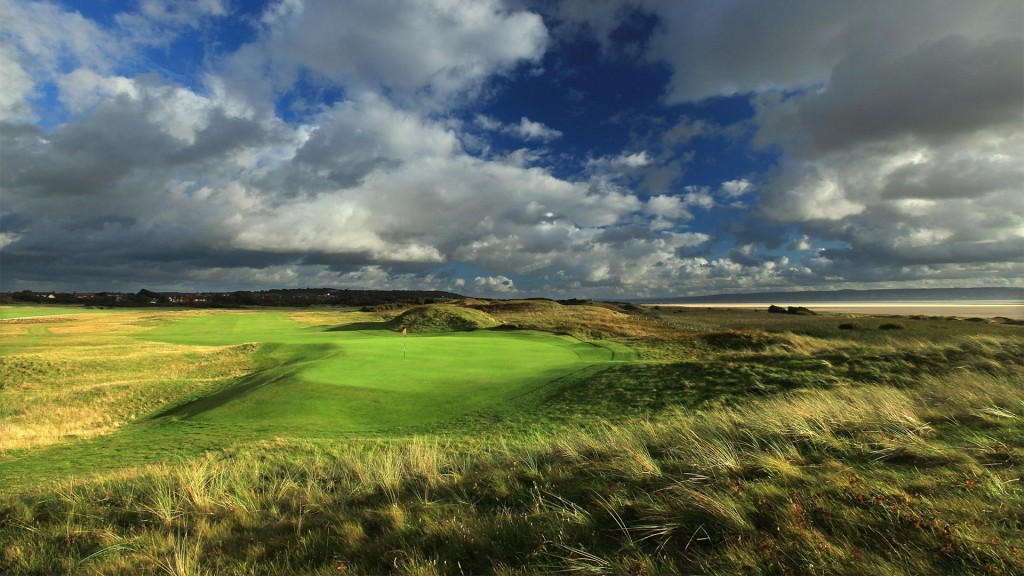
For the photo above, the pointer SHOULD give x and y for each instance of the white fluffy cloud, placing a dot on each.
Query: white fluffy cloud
(736, 188)
(38, 41)
(494, 284)
(898, 123)
(176, 180)
(531, 130)
(896, 128)
(526, 129)
(432, 50)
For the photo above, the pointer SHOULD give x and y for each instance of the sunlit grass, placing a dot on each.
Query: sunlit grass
(843, 481)
(761, 446)
(82, 376)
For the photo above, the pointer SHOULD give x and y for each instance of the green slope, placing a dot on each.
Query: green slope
(326, 382)
(318, 380)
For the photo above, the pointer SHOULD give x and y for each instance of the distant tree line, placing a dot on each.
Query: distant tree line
(285, 297)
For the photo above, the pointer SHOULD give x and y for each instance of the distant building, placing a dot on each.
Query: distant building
(47, 295)
(182, 298)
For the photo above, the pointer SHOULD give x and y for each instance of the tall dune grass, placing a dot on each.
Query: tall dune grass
(850, 480)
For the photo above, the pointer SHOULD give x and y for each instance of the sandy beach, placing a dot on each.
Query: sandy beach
(1013, 310)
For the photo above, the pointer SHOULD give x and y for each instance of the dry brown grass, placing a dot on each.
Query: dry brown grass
(333, 317)
(99, 377)
(587, 322)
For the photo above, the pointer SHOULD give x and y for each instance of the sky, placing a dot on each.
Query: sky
(511, 148)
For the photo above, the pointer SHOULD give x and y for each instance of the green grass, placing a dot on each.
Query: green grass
(9, 312)
(26, 311)
(328, 380)
(728, 443)
(443, 318)
(304, 381)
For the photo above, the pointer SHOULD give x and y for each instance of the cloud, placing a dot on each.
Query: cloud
(801, 244)
(48, 39)
(687, 129)
(427, 51)
(170, 179)
(536, 131)
(181, 12)
(736, 188)
(667, 207)
(526, 129)
(892, 131)
(494, 284)
(896, 124)
(38, 41)
(802, 49)
(942, 90)
(618, 165)
(923, 169)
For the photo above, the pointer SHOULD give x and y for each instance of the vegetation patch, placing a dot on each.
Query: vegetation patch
(442, 318)
(727, 442)
(738, 340)
(797, 310)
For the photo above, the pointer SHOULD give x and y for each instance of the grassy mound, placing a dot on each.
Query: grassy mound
(443, 318)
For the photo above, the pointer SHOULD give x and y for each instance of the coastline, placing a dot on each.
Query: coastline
(1014, 310)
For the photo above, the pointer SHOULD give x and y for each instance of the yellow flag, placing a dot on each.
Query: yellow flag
(403, 331)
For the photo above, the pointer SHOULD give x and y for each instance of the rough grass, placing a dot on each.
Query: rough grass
(82, 376)
(189, 382)
(741, 444)
(862, 480)
(586, 322)
(442, 318)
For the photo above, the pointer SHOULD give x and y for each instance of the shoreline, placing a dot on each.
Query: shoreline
(1014, 310)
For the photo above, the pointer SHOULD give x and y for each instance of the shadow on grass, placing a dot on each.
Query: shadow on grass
(243, 386)
(279, 363)
(361, 327)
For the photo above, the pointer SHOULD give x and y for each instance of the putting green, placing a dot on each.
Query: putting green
(356, 377)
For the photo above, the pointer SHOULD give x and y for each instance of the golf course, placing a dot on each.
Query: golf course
(508, 437)
(367, 377)
(320, 380)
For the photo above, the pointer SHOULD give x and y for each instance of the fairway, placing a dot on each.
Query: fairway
(319, 380)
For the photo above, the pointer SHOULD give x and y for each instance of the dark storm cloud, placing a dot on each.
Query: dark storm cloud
(221, 136)
(1008, 251)
(941, 90)
(619, 235)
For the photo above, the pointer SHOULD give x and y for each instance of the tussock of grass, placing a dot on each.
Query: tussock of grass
(809, 481)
